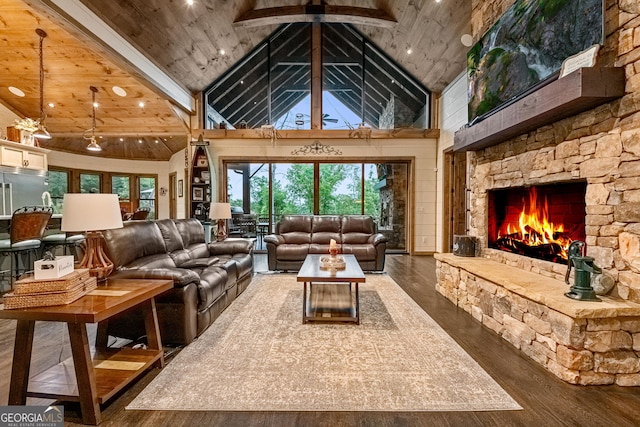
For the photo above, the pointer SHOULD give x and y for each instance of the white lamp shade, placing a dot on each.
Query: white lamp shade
(220, 211)
(90, 212)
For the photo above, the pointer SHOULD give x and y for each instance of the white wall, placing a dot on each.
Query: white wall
(422, 150)
(76, 161)
(453, 115)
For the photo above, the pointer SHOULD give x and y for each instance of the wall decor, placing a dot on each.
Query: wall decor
(316, 148)
(198, 194)
(180, 188)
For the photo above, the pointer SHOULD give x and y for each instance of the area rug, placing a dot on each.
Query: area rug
(258, 356)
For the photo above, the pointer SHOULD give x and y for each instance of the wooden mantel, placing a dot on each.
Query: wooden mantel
(577, 92)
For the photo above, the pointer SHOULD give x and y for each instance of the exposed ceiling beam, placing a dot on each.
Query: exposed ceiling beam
(315, 13)
(83, 19)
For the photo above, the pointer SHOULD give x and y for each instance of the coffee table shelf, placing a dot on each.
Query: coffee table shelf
(330, 295)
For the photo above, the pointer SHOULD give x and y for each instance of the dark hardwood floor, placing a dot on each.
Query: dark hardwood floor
(546, 400)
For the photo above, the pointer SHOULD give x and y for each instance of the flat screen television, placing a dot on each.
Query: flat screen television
(525, 49)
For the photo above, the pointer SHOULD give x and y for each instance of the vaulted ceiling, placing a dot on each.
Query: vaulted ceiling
(162, 52)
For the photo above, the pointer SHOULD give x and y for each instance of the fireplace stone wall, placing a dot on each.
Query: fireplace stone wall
(600, 146)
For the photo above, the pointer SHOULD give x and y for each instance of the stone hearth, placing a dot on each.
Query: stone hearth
(580, 342)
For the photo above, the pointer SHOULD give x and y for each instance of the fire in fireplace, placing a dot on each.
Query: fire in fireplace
(539, 221)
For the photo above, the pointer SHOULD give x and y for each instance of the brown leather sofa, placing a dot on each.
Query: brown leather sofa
(298, 235)
(207, 276)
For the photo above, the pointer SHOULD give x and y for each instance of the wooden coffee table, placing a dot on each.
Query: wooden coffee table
(330, 295)
(96, 378)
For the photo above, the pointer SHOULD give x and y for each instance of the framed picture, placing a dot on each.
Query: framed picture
(180, 188)
(202, 162)
(205, 175)
(198, 194)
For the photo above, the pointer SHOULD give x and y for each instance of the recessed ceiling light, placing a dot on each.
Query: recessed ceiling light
(409, 51)
(139, 141)
(121, 139)
(190, 2)
(119, 91)
(51, 105)
(438, 1)
(16, 91)
(141, 104)
(466, 40)
(157, 141)
(222, 52)
(96, 105)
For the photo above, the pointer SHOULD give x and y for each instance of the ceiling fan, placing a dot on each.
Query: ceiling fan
(301, 119)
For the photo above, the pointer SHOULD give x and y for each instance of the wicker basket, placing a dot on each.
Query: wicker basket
(44, 299)
(30, 285)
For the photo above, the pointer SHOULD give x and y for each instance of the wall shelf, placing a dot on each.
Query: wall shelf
(577, 92)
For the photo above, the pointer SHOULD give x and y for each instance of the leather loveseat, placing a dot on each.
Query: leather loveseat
(207, 276)
(298, 235)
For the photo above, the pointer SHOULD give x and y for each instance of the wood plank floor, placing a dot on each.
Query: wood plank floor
(546, 400)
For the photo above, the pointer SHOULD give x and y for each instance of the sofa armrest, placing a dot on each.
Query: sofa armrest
(276, 239)
(378, 238)
(230, 247)
(180, 276)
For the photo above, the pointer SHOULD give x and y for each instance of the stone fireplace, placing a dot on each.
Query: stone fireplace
(596, 155)
(537, 221)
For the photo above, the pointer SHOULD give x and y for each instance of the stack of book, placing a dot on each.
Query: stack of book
(29, 292)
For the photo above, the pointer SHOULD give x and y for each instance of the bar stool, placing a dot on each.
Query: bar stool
(70, 244)
(25, 233)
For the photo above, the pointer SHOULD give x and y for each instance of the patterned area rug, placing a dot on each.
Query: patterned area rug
(258, 356)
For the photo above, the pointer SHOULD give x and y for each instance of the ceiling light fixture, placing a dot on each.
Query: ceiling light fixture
(141, 104)
(466, 40)
(51, 105)
(41, 133)
(190, 2)
(17, 92)
(222, 52)
(119, 91)
(93, 144)
(409, 51)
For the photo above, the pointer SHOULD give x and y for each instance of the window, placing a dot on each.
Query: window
(270, 190)
(147, 191)
(58, 186)
(360, 84)
(131, 196)
(90, 183)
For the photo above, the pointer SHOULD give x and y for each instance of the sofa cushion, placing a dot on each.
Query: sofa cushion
(136, 239)
(170, 234)
(325, 228)
(191, 230)
(213, 281)
(151, 261)
(366, 252)
(356, 229)
(288, 252)
(243, 262)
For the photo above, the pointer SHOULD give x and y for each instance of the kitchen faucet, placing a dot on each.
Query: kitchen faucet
(46, 195)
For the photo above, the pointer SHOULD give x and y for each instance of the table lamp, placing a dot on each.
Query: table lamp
(91, 213)
(221, 212)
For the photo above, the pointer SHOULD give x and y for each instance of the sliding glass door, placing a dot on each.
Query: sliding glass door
(266, 191)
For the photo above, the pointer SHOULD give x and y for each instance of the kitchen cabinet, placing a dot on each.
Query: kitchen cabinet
(18, 155)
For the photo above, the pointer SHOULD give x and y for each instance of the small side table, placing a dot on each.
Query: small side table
(97, 378)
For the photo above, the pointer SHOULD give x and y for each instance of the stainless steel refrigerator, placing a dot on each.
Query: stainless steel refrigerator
(20, 187)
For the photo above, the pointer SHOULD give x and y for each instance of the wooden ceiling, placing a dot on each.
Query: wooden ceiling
(184, 42)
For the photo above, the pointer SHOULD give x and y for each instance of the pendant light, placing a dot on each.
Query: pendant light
(93, 144)
(41, 133)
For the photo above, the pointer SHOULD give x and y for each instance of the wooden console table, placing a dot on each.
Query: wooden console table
(99, 377)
